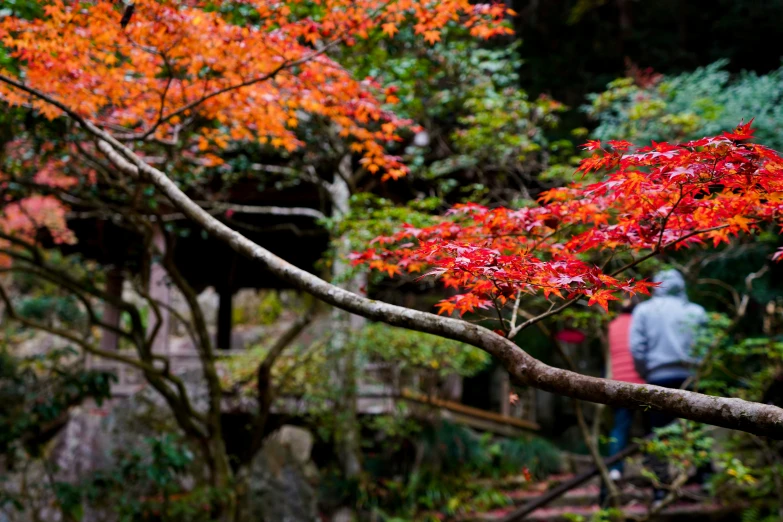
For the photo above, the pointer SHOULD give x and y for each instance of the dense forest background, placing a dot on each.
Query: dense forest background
(572, 48)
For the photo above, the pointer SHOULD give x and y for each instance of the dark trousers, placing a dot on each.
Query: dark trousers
(657, 419)
(621, 432)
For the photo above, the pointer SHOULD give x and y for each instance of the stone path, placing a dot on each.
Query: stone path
(584, 501)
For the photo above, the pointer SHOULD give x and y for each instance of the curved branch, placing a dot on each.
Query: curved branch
(268, 210)
(59, 277)
(751, 417)
(730, 413)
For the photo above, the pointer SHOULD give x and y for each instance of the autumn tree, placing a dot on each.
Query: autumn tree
(184, 83)
(180, 81)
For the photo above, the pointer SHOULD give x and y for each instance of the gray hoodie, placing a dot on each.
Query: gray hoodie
(663, 330)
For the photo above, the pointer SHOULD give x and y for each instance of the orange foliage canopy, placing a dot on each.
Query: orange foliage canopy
(178, 65)
(179, 72)
(654, 198)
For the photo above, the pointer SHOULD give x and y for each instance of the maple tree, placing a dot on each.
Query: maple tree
(182, 74)
(183, 79)
(182, 82)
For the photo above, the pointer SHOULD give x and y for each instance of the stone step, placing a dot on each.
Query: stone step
(514, 482)
(583, 500)
(589, 495)
(678, 512)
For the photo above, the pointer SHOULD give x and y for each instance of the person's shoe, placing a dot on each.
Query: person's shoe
(615, 475)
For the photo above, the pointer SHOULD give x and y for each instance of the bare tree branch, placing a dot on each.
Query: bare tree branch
(268, 210)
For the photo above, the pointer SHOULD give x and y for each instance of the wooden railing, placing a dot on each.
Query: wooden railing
(383, 384)
(380, 389)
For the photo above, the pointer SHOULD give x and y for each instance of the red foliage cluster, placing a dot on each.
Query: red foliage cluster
(652, 198)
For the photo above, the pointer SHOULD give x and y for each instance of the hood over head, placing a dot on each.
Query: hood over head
(671, 283)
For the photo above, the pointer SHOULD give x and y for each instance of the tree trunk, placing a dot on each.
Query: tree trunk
(160, 291)
(164, 274)
(344, 358)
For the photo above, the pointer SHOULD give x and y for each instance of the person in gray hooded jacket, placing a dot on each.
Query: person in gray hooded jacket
(663, 331)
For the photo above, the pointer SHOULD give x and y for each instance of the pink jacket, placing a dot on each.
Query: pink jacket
(620, 352)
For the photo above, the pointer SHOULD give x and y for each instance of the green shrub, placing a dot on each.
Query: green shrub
(704, 102)
(411, 349)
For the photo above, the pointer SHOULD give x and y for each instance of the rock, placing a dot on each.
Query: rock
(40, 343)
(282, 487)
(298, 440)
(82, 447)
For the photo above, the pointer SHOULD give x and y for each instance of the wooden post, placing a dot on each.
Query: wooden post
(505, 393)
(225, 314)
(224, 318)
(160, 291)
(451, 389)
(111, 315)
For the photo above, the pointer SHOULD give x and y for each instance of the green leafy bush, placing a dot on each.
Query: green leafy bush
(45, 307)
(36, 392)
(454, 474)
(704, 102)
(409, 349)
(147, 483)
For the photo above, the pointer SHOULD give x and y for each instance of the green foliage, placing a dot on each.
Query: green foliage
(415, 350)
(36, 392)
(371, 216)
(44, 301)
(759, 514)
(480, 123)
(456, 448)
(748, 468)
(270, 308)
(502, 127)
(452, 476)
(45, 307)
(704, 102)
(429, 498)
(27, 9)
(432, 80)
(145, 484)
(743, 368)
(268, 311)
(602, 515)
(685, 444)
(301, 371)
